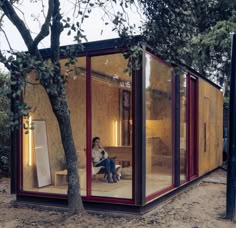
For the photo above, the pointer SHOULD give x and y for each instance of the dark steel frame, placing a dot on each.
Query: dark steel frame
(186, 129)
(189, 124)
(139, 199)
(231, 177)
(176, 129)
(13, 158)
(139, 159)
(88, 196)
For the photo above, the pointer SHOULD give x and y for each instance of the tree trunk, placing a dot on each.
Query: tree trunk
(54, 87)
(61, 111)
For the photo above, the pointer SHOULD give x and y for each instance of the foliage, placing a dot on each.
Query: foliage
(48, 71)
(196, 32)
(4, 160)
(4, 129)
(48, 74)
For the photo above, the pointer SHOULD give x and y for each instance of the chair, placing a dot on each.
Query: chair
(101, 170)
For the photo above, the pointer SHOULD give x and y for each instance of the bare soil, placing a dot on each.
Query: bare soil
(200, 206)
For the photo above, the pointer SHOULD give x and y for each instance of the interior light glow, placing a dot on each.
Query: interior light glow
(120, 133)
(30, 142)
(116, 133)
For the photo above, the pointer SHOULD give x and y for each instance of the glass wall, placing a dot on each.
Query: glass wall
(183, 127)
(111, 111)
(44, 167)
(159, 164)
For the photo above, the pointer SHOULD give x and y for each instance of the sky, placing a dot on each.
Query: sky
(32, 14)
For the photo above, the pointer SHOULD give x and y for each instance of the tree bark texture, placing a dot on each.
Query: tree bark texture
(54, 85)
(61, 111)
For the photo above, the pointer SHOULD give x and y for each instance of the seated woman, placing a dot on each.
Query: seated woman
(100, 158)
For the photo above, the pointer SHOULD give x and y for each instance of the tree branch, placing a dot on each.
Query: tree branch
(45, 27)
(55, 33)
(76, 5)
(14, 18)
(23, 15)
(43, 8)
(1, 18)
(8, 42)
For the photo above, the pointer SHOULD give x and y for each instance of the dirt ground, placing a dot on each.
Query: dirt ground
(200, 206)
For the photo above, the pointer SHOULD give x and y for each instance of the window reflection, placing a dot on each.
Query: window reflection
(112, 122)
(45, 138)
(158, 125)
(183, 129)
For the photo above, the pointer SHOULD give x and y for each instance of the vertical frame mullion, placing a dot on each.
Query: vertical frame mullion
(195, 154)
(139, 138)
(196, 129)
(15, 150)
(176, 128)
(188, 126)
(88, 125)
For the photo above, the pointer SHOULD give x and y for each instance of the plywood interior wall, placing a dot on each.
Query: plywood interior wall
(158, 85)
(36, 97)
(105, 111)
(210, 103)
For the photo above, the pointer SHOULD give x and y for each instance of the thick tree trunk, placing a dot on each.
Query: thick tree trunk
(54, 87)
(61, 111)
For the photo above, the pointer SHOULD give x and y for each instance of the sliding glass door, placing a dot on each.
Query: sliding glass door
(159, 155)
(111, 127)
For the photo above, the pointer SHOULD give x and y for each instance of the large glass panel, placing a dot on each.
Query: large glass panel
(112, 123)
(158, 125)
(183, 128)
(44, 167)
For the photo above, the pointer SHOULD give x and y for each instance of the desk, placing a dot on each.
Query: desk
(123, 154)
(61, 177)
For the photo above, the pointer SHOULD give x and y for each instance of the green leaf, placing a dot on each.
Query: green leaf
(126, 70)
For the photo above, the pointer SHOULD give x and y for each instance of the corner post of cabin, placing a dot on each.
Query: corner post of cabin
(176, 126)
(16, 142)
(14, 155)
(139, 129)
(231, 178)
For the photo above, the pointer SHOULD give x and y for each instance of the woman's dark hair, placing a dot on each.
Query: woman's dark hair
(94, 140)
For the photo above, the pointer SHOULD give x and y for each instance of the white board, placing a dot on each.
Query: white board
(41, 154)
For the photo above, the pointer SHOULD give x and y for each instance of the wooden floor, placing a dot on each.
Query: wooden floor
(122, 189)
(99, 187)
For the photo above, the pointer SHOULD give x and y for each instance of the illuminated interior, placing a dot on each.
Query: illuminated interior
(111, 104)
(183, 127)
(44, 168)
(145, 139)
(159, 164)
(30, 142)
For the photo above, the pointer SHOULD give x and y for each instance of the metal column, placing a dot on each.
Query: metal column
(231, 175)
